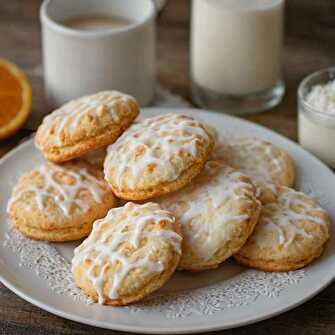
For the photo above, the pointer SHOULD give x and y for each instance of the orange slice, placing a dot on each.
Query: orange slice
(15, 98)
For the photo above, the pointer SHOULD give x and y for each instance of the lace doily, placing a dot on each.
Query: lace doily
(46, 262)
(49, 265)
(243, 289)
(238, 291)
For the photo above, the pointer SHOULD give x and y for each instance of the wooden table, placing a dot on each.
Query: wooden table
(309, 45)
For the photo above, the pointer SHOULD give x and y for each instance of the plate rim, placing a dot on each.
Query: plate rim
(180, 329)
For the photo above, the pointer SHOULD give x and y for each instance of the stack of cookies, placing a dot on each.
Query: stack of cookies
(190, 199)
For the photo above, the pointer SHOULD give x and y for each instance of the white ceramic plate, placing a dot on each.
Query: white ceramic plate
(227, 297)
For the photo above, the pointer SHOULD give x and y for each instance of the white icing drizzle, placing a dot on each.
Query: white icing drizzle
(281, 218)
(71, 114)
(64, 194)
(104, 248)
(203, 221)
(156, 142)
(252, 156)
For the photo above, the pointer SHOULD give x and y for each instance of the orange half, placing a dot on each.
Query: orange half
(15, 98)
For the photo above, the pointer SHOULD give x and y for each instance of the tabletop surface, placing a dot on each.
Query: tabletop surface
(310, 33)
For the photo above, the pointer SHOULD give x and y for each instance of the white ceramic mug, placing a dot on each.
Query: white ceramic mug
(78, 62)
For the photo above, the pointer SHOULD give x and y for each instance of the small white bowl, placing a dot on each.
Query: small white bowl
(316, 128)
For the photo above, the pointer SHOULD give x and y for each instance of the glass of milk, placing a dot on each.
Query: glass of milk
(236, 54)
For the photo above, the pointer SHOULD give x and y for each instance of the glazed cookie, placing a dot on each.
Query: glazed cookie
(217, 212)
(130, 253)
(291, 233)
(267, 165)
(85, 124)
(156, 156)
(60, 203)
